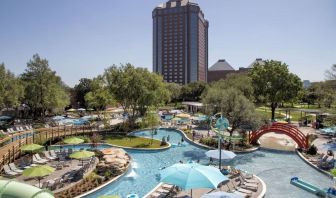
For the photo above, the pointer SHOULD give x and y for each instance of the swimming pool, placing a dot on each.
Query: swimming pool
(275, 168)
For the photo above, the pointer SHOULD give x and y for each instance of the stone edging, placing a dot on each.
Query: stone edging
(264, 188)
(107, 183)
(312, 165)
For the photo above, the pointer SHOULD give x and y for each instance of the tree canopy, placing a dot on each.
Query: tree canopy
(80, 90)
(135, 89)
(43, 89)
(10, 88)
(232, 104)
(99, 96)
(273, 83)
(331, 74)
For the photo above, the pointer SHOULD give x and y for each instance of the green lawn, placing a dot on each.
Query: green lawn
(132, 141)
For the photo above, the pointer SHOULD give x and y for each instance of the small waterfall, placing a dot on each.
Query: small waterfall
(135, 165)
(132, 174)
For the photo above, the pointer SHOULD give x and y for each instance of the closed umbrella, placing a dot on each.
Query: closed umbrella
(38, 172)
(82, 155)
(192, 175)
(221, 194)
(224, 154)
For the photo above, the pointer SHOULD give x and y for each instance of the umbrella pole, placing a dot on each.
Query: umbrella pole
(220, 151)
(191, 193)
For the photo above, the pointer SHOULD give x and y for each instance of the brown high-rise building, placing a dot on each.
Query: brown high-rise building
(180, 42)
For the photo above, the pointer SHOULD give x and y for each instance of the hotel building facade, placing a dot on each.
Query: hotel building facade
(180, 42)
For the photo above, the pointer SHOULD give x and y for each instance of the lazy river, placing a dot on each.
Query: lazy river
(274, 168)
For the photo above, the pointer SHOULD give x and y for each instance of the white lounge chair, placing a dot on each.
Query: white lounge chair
(47, 155)
(13, 167)
(9, 172)
(40, 158)
(37, 161)
(52, 153)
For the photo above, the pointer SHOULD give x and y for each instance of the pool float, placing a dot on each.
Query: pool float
(132, 196)
(308, 187)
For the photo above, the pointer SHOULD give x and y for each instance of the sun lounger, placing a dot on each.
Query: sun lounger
(47, 155)
(38, 157)
(45, 185)
(53, 154)
(158, 195)
(55, 183)
(13, 168)
(232, 186)
(9, 172)
(37, 161)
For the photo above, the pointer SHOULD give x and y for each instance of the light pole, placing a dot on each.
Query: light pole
(221, 125)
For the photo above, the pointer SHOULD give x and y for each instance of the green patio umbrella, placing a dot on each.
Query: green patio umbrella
(38, 172)
(31, 147)
(73, 140)
(82, 155)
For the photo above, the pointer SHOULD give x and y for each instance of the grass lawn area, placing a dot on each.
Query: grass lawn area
(132, 141)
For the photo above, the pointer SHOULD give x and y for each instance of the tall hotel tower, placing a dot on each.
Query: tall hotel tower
(180, 42)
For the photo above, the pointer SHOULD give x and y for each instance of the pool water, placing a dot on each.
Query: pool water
(275, 168)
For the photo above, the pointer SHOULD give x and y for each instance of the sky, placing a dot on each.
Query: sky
(81, 38)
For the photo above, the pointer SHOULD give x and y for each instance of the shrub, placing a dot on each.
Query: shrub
(209, 142)
(312, 150)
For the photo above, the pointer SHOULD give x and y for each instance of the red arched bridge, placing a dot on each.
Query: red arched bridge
(287, 129)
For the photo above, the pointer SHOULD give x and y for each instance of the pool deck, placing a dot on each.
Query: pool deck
(259, 193)
(71, 165)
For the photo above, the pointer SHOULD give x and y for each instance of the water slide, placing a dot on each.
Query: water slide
(13, 189)
(308, 187)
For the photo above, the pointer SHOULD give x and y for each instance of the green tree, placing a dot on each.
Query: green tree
(99, 96)
(135, 88)
(331, 74)
(174, 92)
(151, 120)
(274, 84)
(232, 104)
(240, 82)
(193, 91)
(81, 89)
(11, 88)
(44, 90)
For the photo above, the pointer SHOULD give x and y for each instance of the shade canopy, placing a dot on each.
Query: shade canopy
(73, 140)
(221, 194)
(38, 171)
(192, 175)
(71, 110)
(224, 154)
(31, 147)
(82, 154)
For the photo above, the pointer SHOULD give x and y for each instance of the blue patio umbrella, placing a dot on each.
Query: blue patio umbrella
(5, 117)
(224, 154)
(58, 118)
(221, 194)
(192, 175)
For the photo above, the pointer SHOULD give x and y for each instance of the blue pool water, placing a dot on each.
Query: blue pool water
(275, 168)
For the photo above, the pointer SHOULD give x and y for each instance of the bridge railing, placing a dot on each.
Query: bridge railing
(288, 129)
(11, 151)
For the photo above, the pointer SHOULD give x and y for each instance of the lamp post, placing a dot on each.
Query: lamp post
(221, 125)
